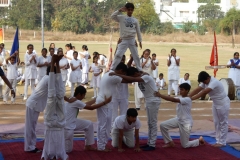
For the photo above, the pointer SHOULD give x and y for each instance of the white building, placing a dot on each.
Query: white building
(178, 13)
(5, 3)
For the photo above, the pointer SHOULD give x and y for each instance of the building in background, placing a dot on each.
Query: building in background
(181, 12)
(5, 3)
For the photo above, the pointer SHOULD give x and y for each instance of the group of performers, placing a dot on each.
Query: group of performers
(111, 91)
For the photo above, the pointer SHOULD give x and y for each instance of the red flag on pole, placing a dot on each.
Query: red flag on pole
(214, 55)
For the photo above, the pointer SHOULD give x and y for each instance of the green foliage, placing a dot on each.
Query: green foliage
(232, 17)
(188, 26)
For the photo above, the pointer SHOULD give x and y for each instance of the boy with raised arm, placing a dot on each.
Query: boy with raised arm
(123, 130)
(220, 106)
(148, 87)
(129, 27)
(54, 115)
(183, 121)
(75, 124)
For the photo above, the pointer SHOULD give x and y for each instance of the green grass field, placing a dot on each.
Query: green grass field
(194, 57)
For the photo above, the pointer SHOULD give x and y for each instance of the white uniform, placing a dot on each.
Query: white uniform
(75, 124)
(173, 75)
(85, 66)
(104, 114)
(64, 72)
(42, 70)
(155, 72)
(120, 100)
(220, 109)
(128, 131)
(183, 121)
(160, 83)
(30, 73)
(69, 54)
(182, 80)
(104, 59)
(234, 73)
(96, 79)
(148, 87)
(35, 104)
(54, 119)
(12, 78)
(137, 92)
(129, 27)
(76, 75)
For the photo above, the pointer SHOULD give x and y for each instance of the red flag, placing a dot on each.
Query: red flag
(214, 55)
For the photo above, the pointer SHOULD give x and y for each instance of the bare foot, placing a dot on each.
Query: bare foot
(201, 140)
(89, 148)
(169, 144)
(218, 145)
(105, 150)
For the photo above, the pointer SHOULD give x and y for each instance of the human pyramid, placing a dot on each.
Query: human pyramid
(61, 120)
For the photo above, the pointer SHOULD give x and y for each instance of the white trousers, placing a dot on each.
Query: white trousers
(152, 119)
(96, 91)
(138, 96)
(104, 117)
(84, 78)
(81, 125)
(30, 127)
(54, 144)
(173, 85)
(68, 76)
(220, 118)
(27, 83)
(121, 105)
(184, 130)
(73, 87)
(13, 82)
(128, 138)
(122, 48)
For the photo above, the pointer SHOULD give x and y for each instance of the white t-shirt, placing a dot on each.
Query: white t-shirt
(63, 62)
(76, 63)
(148, 87)
(71, 114)
(108, 84)
(95, 69)
(122, 123)
(160, 82)
(70, 55)
(101, 58)
(218, 95)
(42, 70)
(182, 80)
(121, 91)
(12, 72)
(184, 111)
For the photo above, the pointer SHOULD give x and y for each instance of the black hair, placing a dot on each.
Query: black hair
(187, 73)
(124, 56)
(69, 45)
(202, 76)
(2, 44)
(80, 90)
(94, 58)
(95, 53)
(75, 52)
(50, 49)
(51, 44)
(49, 68)
(132, 112)
(85, 47)
(60, 49)
(185, 86)
(121, 66)
(44, 49)
(129, 5)
(161, 74)
(146, 50)
(154, 54)
(173, 49)
(235, 53)
(30, 45)
(131, 71)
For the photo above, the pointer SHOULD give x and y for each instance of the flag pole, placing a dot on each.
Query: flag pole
(42, 23)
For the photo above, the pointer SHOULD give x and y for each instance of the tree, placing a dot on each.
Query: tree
(207, 1)
(210, 15)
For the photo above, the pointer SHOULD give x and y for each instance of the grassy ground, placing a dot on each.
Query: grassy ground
(194, 57)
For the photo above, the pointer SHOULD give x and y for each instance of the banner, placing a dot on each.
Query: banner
(15, 45)
(214, 55)
(1, 35)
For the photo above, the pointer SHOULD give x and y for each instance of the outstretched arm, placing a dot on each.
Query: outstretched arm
(195, 91)
(95, 106)
(168, 98)
(127, 79)
(202, 93)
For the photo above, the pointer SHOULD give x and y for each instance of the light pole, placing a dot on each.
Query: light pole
(42, 23)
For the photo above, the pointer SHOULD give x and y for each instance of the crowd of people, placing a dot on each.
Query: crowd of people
(48, 76)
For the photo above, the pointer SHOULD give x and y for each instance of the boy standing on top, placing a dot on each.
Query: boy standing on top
(129, 26)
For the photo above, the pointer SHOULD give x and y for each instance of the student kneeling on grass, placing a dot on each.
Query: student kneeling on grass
(123, 128)
(183, 121)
